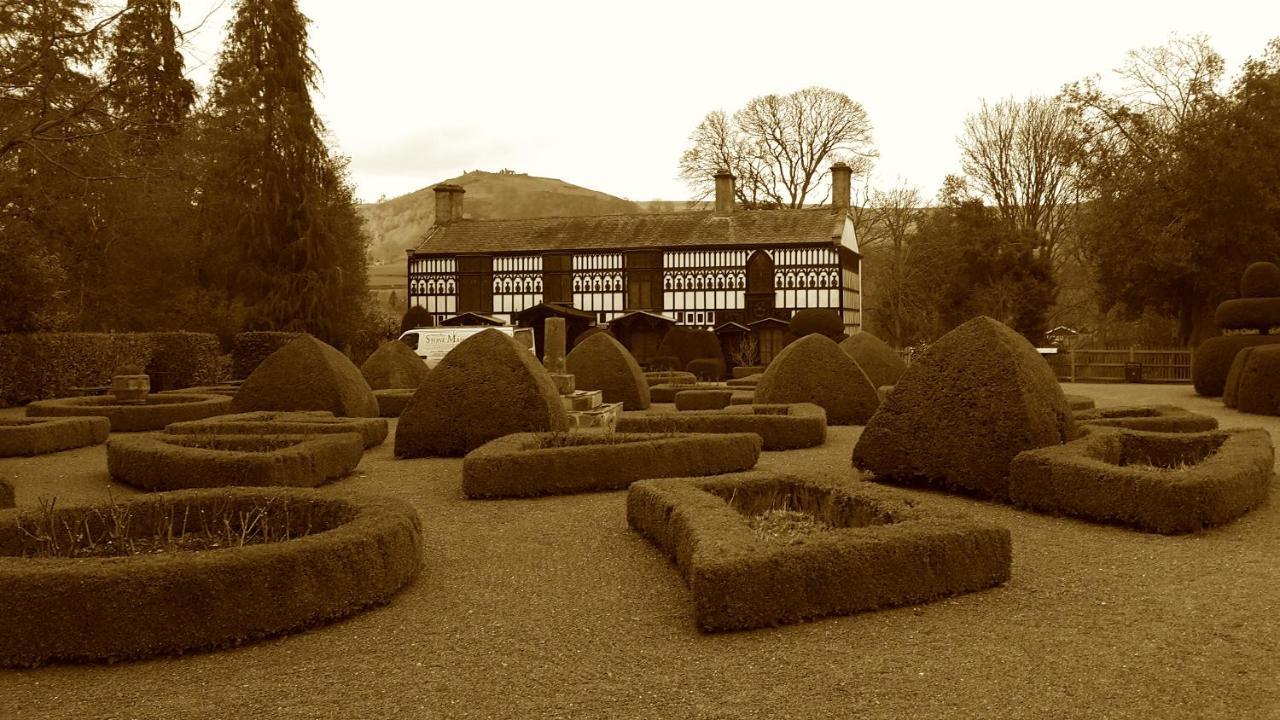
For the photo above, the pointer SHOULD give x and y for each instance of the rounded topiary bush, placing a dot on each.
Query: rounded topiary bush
(486, 387)
(1260, 280)
(1230, 392)
(307, 374)
(975, 399)
(1258, 385)
(591, 332)
(689, 344)
(602, 363)
(392, 366)
(817, 320)
(1212, 360)
(815, 370)
(416, 317)
(879, 361)
(709, 369)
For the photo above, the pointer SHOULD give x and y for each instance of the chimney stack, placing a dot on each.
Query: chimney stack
(724, 192)
(448, 203)
(841, 178)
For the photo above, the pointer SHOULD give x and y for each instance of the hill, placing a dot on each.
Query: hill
(401, 222)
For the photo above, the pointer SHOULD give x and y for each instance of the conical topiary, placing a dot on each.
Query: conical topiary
(602, 363)
(879, 361)
(815, 370)
(307, 374)
(393, 366)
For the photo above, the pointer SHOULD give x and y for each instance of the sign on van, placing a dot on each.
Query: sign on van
(434, 343)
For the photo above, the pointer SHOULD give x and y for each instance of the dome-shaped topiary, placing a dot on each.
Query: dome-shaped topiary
(817, 320)
(602, 363)
(689, 344)
(1260, 280)
(307, 374)
(416, 317)
(815, 370)
(879, 361)
(392, 366)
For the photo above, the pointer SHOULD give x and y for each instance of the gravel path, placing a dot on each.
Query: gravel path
(554, 608)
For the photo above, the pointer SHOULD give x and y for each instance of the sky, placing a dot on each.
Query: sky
(605, 94)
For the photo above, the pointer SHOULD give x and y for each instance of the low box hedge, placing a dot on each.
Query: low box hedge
(160, 410)
(393, 402)
(345, 553)
(874, 550)
(1153, 418)
(742, 372)
(667, 393)
(176, 462)
(1079, 402)
(39, 436)
(748, 397)
(249, 349)
(669, 377)
(1158, 482)
(529, 464)
(780, 427)
(703, 399)
(749, 382)
(372, 430)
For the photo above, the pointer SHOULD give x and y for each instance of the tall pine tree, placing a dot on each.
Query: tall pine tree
(276, 200)
(146, 87)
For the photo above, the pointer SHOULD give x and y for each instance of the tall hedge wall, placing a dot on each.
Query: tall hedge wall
(36, 366)
(249, 349)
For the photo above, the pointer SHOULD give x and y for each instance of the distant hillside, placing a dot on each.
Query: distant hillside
(401, 222)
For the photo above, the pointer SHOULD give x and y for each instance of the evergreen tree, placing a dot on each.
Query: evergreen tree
(146, 87)
(275, 200)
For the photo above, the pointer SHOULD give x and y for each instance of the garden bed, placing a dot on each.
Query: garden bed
(528, 464)
(143, 577)
(174, 462)
(760, 549)
(40, 436)
(780, 427)
(158, 411)
(1157, 482)
(315, 422)
(1152, 418)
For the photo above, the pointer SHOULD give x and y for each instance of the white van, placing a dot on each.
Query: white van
(432, 344)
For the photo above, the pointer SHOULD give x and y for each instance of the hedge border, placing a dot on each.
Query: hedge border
(516, 466)
(739, 582)
(95, 609)
(803, 425)
(1079, 402)
(296, 422)
(170, 462)
(666, 393)
(1082, 479)
(750, 381)
(711, 399)
(393, 401)
(39, 436)
(135, 418)
(745, 397)
(669, 377)
(1152, 418)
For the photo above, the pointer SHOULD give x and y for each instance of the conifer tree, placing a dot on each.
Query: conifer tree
(146, 87)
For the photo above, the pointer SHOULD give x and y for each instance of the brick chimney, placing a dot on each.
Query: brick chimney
(448, 203)
(841, 177)
(724, 192)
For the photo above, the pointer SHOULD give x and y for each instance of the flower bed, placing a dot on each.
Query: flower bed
(527, 464)
(174, 462)
(158, 411)
(372, 430)
(1152, 418)
(1158, 482)
(38, 436)
(393, 402)
(760, 549)
(314, 558)
(703, 399)
(780, 427)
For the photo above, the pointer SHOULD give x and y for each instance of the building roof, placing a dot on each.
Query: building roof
(629, 232)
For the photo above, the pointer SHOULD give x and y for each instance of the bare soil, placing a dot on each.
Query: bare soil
(553, 608)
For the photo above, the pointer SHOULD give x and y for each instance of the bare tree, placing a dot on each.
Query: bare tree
(1019, 156)
(780, 147)
(885, 228)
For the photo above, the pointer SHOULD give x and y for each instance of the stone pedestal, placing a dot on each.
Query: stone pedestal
(553, 345)
(582, 400)
(564, 383)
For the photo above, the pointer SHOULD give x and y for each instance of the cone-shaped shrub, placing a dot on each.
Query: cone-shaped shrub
(486, 387)
(815, 370)
(957, 417)
(307, 374)
(1257, 387)
(879, 361)
(392, 366)
(602, 363)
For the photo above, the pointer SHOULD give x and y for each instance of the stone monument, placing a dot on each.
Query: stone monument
(586, 408)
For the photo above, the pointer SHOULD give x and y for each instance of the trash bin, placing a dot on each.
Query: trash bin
(1133, 372)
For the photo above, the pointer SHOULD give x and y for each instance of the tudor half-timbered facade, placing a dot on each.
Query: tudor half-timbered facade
(703, 269)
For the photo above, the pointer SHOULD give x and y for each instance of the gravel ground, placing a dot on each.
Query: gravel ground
(554, 608)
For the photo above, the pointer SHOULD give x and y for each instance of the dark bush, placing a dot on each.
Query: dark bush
(34, 366)
(817, 320)
(879, 361)
(592, 332)
(187, 358)
(1212, 360)
(1260, 280)
(708, 369)
(815, 370)
(307, 374)
(689, 344)
(249, 349)
(1230, 392)
(1258, 385)
(602, 363)
(665, 363)
(416, 317)
(1259, 314)
(394, 366)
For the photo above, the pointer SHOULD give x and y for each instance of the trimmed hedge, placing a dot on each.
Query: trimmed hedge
(879, 552)
(1258, 386)
(36, 436)
(669, 377)
(359, 552)
(486, 387)
(667, 393)
(1231, 390)
(712, 369)
(879, 361)
(1248, 314)
(975, 399)
(519, 466)
(36, 366)
(1152, 418)
(249, 349)
(394, 366)
(745, 371)
(1078, 402)
(307, 374)
(665, 363)
(1260, 280)
(6, 494)
(178, 462)
(743, 397)
(815, 370)
(703, 399)
(749, 382)
(602, 363)
(187, 358)
(1212, 360)
(372, 430)
(391, 403)
(1158, 482)
(780, 427)
(689, 344)
(159, 410)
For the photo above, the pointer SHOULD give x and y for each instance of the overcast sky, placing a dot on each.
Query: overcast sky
(604, 94)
